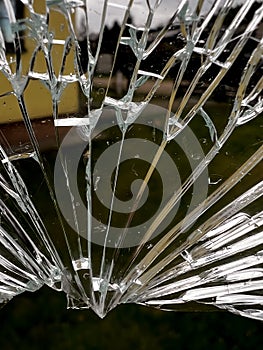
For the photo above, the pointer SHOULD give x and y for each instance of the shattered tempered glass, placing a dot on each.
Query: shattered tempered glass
(131, 152)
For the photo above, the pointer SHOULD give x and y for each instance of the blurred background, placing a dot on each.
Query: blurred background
(40, 320)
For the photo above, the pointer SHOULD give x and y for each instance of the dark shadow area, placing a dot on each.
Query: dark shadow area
(40, 321)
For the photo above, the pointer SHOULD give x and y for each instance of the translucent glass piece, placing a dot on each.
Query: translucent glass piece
(131, 153)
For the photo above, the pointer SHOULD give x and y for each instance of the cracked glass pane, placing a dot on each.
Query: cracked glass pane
(131, 152)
